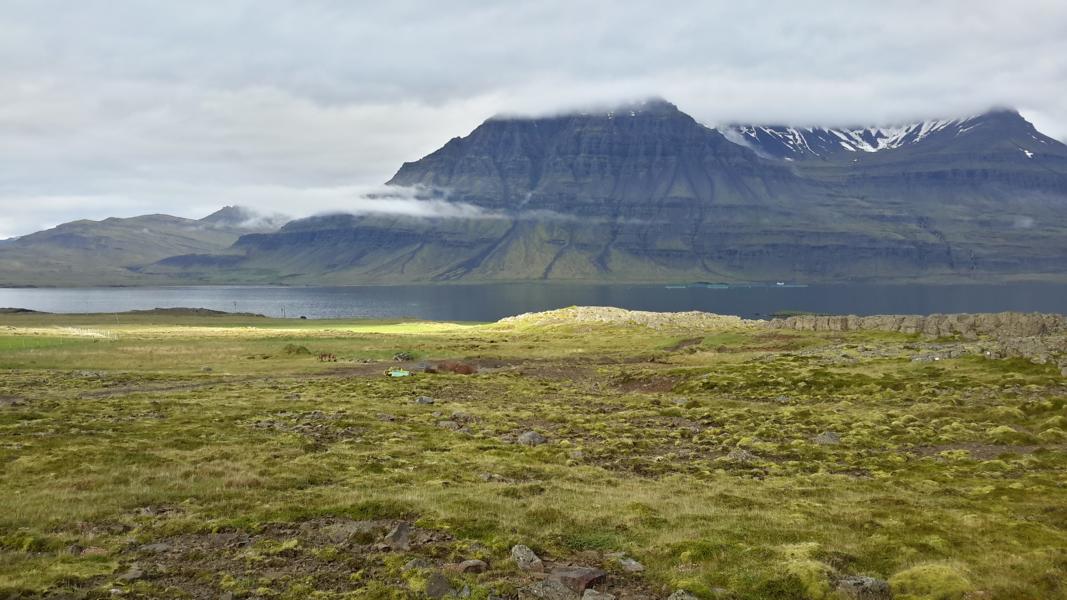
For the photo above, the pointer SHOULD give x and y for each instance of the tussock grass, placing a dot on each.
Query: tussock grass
(948, 479)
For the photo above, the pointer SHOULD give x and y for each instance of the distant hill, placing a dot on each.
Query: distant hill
(112, 251)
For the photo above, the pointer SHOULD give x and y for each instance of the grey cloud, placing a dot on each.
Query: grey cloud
(137, 107)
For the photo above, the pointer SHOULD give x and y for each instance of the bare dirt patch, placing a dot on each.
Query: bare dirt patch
(978, 451)
(686, 343)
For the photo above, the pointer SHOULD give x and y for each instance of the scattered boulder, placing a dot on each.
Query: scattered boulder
(438, 586)
(526, 559)
(417, 563)
(682, 595)
(591, 594)
(402, 357)
(827, 438)
(548, 589)
(134, 573)
(470, 566)
(424, 400)
(630, 565)
(449, 425)
(531, 438)
(94, 551)
(860, 587)
(347, 531)
(157, 548)
(577, 579)
(741, 456)
(399, 539)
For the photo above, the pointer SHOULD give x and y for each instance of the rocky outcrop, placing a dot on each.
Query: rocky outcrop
(968, 326)
(608, 315)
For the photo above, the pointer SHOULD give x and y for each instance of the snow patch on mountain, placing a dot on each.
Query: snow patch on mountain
(782, 142)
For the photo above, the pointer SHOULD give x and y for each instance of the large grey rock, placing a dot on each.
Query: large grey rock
(399, 539)
(577, 579)
(526, 559)
(438, 586)
(859, 587)
(628, 564)
(548, 589)
(531, 438)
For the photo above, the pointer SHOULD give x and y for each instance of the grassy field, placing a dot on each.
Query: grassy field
(205, 457)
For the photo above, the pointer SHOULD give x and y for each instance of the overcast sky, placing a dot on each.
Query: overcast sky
(121, 107)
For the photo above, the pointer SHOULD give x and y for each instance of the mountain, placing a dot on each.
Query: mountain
(113, 250)
(644, 192)
(241, 217)
(996, 131)
(613, 195)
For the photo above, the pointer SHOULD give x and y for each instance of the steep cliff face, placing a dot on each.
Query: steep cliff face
(645, 161)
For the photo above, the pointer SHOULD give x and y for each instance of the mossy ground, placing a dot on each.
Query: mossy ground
(949, 480)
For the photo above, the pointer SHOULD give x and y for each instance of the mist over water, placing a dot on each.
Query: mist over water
(489, 302)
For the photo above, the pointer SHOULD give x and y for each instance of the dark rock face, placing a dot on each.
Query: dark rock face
(635, 162)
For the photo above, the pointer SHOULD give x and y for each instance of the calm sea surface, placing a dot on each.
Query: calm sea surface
(492, 301)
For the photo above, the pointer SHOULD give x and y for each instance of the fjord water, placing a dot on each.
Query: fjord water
(490, 302)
